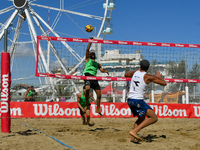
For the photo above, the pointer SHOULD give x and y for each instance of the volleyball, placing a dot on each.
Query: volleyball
(89, 28)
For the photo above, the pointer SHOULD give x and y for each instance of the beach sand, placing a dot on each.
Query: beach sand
(106, 134)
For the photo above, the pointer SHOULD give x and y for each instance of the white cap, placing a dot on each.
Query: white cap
(92, 51)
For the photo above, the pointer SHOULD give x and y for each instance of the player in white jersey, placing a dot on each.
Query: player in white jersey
(138, 106)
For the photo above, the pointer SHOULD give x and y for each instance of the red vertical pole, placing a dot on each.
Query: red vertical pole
(5, 92)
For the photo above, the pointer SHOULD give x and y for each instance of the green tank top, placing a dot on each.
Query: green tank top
(91, 67)
(30, 94)
(82, 100)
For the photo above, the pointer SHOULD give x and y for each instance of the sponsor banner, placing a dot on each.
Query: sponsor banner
(108, 78)
(109, 110)
(82, 77)
(118, 42)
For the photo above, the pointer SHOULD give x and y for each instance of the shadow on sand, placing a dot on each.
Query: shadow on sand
(149, 138)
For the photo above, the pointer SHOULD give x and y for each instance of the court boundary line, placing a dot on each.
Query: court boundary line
(49, 136)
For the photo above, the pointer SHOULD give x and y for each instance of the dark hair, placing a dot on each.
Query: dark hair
(84, 87)
(144, 65)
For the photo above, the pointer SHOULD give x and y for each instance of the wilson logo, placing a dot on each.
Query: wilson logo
(54, 110)
(165, 111)
(4, 93)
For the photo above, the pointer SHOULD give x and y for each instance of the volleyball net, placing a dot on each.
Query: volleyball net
(61, 58)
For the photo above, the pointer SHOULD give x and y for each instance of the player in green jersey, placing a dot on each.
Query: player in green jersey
(91, 67)
(81, 105)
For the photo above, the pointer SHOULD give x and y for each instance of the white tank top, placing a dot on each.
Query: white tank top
(138, 86)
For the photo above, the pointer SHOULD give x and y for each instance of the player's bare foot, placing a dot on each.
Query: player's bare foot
(84, 123)
(135, 135)
(132, 139)
(99, 112)
(91, 124)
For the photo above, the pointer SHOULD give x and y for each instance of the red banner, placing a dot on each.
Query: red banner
(109, 110)
(117, 42)
(62, 76)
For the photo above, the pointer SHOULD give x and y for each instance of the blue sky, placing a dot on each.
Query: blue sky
(155, 21)
(169, 21)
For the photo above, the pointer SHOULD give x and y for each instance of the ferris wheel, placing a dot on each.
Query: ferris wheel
(34, 12)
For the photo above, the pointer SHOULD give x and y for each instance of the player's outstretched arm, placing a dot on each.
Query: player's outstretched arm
(129, 74)
(88, 51)
(156, 79)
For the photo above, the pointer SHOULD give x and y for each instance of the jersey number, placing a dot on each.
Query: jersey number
(136, 83)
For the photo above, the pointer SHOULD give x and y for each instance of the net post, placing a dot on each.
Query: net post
(152, 96)
(186, 95)
(5, 88)
(124, 95)
(183, 99)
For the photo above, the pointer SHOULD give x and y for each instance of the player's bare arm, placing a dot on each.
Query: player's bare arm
(103, 70)
(25, 96)
(78, 102)
(155, 78)
(129, 74)
(87, 56)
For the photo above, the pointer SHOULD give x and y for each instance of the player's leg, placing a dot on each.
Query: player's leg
(138, 121)
(137, 106)
(98, 92)
(83, 117)
(88, 118)
(95, 85)
(87, 92)
(152, 118)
